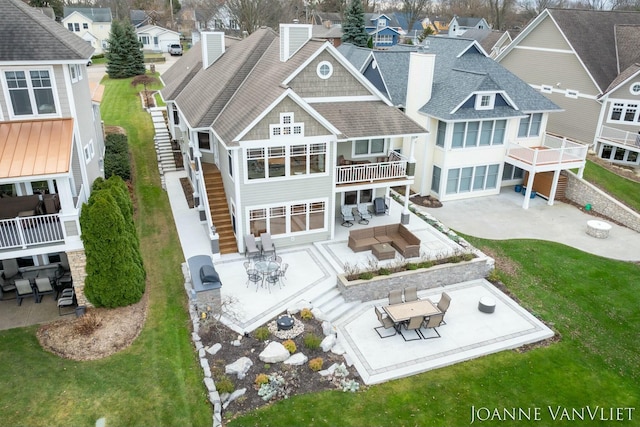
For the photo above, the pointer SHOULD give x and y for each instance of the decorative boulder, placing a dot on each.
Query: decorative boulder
(240, 367)
(297, 359)
(214, 349)
(274, 353)
(298, 306)
(338, 349)
(327, 328)
(318, 314)
(328, 342)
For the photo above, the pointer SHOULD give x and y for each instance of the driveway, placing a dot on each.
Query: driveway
(97, 71)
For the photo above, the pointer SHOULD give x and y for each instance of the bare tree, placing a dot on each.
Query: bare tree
(414, 10)
(252, 14)
(498, 10)
(207, 9)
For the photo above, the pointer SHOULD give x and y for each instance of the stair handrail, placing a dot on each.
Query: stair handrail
(204, 200)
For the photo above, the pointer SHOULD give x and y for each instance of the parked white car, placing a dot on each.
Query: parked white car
(175, 49)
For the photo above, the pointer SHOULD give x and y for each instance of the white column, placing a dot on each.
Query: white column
(554, 187)
(527, 195)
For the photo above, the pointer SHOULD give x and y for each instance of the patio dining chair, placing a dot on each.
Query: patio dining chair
(6, 289)
(443, 305)
(432, 322)
(268, 248)
(414, 324)
(385, 323)
(11, 271)
(254, 276)
(43, 287)
(23, 290)
(282, 271)
(411, 294)
(251, 250)
(395, 297)
(365, 215)
(66, 301)
(347, 216)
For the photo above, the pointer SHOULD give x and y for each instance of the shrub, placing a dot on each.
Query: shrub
(312, 341)
(261, 379)
(316, 364)
(425, 264)
(384, 272)
(290, 346)
(306, 314)
(224, 384)
(87, 324)
(262, 333)
(116, 156)
(468, 256)
(367, 275)
(412, 266)
(493, 276)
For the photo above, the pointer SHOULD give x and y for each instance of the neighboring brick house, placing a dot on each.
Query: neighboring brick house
(51, 143)
(278, 132)
(487, 127)
(92, 24)
(588, 63)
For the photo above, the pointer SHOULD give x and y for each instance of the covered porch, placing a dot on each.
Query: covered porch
(618, 146)
(554, 155)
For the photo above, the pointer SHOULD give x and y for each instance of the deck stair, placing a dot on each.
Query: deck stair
(219, 208)
(162, 144)
(333, 305)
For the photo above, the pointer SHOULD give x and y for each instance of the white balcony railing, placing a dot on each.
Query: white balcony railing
(395, 167)
(619, 136)
(554, 151)
(23, 232)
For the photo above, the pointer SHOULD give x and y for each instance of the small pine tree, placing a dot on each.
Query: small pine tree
(124, 56)
(353, 30)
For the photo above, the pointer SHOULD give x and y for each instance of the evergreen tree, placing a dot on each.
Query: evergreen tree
(115, 274)
(353, 30)
(124, 56)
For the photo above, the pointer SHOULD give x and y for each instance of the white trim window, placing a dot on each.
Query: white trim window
(31, 92)
(625, 112)
(634, 89)
(384, 39)
(570, 93)
(478, 133)
(286, 160)
(288, 219)
(324, 70)
(369, 147)
(530, 126)
(546, 89)
(287, 127)
(89, 151)
(472, 178)
(76, 72)
(485, 101)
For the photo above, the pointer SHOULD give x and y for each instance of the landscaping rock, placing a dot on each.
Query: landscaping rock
(318, 314)
(201, 353)
(327, 328)
(211, 386)
(338, 349)
(214, 349)
(274, 353)
(329, 371)
(204, 363)
(328, 342)
(224, 397)
(236, 394)
(195, 337)
(214, 398)
(296, 360)
(199, 345)
(240, 367)
(236, 343)
(298, 306)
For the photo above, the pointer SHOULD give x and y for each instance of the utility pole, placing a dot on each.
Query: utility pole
(171, 6)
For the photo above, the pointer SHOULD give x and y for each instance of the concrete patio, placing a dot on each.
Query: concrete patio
(311, 278)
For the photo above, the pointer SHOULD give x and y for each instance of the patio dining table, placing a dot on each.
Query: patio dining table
(406, 310)
(266, 267)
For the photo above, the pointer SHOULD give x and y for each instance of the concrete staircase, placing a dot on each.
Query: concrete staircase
(333, 305)
(219, 208)
(162, 143)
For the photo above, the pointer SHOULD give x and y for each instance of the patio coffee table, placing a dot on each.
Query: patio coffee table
(383, 251)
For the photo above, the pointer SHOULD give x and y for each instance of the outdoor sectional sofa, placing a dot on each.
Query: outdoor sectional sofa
(397, 235)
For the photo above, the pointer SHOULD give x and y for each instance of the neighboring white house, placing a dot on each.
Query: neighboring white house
(156, 38)
(92, 24)
(52, 145)
(460, 24)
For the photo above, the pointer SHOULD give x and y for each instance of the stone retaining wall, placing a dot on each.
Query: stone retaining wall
(423, 278)
(581, 192)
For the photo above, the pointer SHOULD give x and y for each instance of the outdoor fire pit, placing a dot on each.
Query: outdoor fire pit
(284, 323)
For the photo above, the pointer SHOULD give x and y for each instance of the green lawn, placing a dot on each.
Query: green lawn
(158, 380)
(592, 302)
(625, 190)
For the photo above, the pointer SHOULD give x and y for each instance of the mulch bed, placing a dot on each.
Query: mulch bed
(188, 191)
(300, 379)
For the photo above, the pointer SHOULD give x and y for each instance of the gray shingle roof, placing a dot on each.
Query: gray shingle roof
(627, 45)
(486, 37)
(35, 37)
(630, 71)
(592, 35)
(456, 78)
(96, 14)
(356, 55)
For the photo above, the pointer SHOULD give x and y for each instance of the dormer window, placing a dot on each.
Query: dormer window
(485, 101)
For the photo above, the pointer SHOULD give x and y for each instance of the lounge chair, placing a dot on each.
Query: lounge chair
(380, 207)
(385, 323)
(414, 324)
(23, 290)
(268, 248)
(411, 294)
(251, 250)
(11, 271)
(443, 304)
(363, 211)
(432, 322)
(6, 289)
(66, 301)
(395, 297)
(43, 287)
(347, 216)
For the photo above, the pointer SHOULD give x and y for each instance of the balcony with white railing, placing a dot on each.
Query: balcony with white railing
(29, 231)
(555, 153)
(619, 136)
(392, 167)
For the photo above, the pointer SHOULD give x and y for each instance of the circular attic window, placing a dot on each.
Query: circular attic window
(635, 88)
(324, 70)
